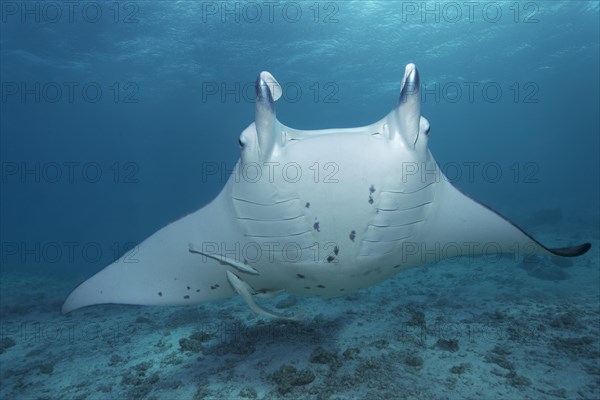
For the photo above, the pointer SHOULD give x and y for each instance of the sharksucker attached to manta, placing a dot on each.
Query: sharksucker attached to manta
(320, 212)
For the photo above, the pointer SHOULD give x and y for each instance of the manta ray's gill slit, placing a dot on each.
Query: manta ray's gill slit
(391, 234)
(265, 204)
(393, 202)
(382, 239)
(388, 241)
(277, 236)
(283, 225)
(270, 220)
(376, 250)
(389, 201)
(429, 189)
(254, 211)
(402, 191)
(390, 219)
(393, 209)
(395, 226)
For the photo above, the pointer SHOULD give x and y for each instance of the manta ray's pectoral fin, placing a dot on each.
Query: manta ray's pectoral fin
(246, 292)
(242, 267)
(463, 221)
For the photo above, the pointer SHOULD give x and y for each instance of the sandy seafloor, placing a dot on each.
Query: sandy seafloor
(470, 329)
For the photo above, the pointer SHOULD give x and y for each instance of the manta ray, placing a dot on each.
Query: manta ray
(313, 213)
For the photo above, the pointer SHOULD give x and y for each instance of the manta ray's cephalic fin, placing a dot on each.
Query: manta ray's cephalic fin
(407, 114)
(268, 91)
(244, 290)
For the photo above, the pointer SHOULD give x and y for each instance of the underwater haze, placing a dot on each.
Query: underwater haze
(118, 118)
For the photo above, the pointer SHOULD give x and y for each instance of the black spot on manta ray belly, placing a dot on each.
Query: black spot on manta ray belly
(371, 191)
(307, 205)
(213, 287)
(316, 226)
(336, 250)
(300, 276)
(160, 294)
(330, 259)
(353, 235)
(321, 286)
(186, 297)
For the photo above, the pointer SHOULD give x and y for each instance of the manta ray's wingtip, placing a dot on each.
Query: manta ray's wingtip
(68, 305)
(573, 251)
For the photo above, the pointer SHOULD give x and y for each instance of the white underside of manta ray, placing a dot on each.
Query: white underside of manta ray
(322, 212)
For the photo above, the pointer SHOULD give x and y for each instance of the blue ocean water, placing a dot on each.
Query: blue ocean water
(151, 91)
(112, 113)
